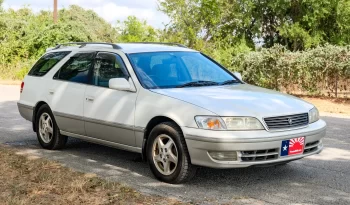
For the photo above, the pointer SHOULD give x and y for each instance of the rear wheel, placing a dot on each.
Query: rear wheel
(167, 154)
(48, 133)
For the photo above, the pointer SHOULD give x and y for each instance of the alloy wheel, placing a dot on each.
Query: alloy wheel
(45, 128)
(165, 154)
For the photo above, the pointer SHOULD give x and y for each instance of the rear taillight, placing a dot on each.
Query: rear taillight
(22, 86)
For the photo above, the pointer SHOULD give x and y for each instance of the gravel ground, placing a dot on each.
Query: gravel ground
(319, 179)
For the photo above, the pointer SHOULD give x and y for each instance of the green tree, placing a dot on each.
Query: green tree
(135, 30)
(296, 24)
(25, 35)
(192, 20)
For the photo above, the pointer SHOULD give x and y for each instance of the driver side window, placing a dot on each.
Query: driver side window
(108, 66)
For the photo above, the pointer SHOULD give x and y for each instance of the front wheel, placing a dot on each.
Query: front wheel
(167, 154)
(47, 130)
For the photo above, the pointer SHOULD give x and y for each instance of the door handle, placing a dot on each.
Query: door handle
(89, 99)
(51, 92)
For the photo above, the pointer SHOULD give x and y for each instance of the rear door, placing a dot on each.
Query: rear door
(66, 93)
(109, 114)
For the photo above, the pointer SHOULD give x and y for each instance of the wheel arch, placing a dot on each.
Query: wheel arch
(151, 124)
(35, 110)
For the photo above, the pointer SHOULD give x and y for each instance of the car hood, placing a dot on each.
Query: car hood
(239, 100)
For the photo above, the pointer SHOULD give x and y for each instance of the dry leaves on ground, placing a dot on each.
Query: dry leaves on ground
(26, 180)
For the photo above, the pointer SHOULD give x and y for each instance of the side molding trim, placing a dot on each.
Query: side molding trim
(111, 124)
(103, 142)
(139, 129)
(101, 122)
(74, 117)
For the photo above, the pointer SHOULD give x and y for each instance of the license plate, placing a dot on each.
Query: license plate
(293, 146)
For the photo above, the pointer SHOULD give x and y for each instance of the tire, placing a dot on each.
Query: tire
(174, 145)
(50, 138)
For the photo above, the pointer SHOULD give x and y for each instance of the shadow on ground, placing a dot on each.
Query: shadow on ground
(320, 179)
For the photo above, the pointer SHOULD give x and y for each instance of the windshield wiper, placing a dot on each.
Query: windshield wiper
(228, 82)
(197, 84)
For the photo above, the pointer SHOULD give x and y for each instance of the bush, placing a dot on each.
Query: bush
(319, 71)
(25, 35)
(16, 70)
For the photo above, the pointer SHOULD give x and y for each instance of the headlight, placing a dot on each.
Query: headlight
(242, 123)
(228, 123)
(313, 115)
(210, 123)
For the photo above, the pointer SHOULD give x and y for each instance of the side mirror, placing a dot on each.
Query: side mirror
(119, 84)
(238, 75)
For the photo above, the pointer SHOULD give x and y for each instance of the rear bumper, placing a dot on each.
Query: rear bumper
(201, 142)
(26, 111)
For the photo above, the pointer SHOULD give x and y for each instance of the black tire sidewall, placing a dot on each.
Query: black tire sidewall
(51, 144)
(175, 136)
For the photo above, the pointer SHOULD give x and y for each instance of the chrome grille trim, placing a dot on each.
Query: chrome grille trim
(258, 155)
(287, 122)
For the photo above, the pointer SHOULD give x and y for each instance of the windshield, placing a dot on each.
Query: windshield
(178, 69)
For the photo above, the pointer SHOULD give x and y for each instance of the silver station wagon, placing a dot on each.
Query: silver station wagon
(175, 106)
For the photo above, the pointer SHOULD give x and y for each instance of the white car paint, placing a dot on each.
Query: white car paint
(239, 100)
(119, 118)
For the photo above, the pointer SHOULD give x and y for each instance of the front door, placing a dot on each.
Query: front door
(108, 113)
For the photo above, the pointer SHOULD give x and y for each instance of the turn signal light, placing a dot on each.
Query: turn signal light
(224, 156)
(212, 124)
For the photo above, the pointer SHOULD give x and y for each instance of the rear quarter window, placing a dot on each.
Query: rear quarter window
(45, 63)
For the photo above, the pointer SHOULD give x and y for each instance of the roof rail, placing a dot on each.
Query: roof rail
(160, 43)
(83, 44)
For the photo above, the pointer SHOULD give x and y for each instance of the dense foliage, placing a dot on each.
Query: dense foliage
(320, 71)
(281, 44)
(296, 24)
(24, 35)
(135, 30)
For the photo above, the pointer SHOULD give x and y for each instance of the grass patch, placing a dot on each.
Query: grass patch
(31, 180)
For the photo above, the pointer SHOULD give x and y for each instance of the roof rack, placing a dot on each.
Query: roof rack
(83, 44)
(160, 43)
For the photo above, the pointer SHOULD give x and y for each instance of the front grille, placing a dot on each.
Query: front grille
(288, 121)
(259, 155)
(311, 147)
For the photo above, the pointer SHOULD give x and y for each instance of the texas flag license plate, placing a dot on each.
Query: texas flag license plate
(293, 146)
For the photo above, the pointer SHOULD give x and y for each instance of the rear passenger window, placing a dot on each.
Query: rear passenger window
(47, 62)
(77, 68)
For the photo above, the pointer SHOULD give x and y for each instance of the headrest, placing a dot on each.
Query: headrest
(144, 64)
(162, 70)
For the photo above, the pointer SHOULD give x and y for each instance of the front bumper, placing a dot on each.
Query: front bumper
(252, 147)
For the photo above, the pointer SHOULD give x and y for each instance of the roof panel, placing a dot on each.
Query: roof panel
(125, 47)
